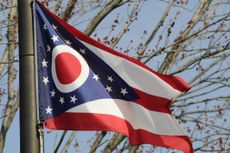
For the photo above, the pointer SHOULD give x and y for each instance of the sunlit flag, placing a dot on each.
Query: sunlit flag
(84, 85)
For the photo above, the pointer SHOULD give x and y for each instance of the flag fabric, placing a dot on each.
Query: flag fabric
(85, 85)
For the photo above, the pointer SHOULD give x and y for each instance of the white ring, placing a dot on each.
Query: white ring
(82, 76)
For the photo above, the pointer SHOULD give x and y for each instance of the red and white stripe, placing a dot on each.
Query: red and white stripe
(147, 120)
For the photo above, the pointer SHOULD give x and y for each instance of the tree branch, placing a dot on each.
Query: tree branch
(11, 105)
(177, 47)
(69, 10)
(109, 7)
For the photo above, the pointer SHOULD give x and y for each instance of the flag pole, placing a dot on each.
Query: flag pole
(29, 138)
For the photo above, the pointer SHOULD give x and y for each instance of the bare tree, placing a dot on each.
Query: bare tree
(7, 69)
(175, 37)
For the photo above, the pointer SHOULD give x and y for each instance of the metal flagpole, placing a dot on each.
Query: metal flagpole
(29, 139)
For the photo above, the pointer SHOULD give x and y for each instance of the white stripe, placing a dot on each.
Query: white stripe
(138, 116)
(135, 75)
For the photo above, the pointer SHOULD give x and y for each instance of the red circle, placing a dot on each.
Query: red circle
(68, 67)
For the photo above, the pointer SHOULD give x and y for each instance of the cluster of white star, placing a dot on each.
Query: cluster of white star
(109, 88)
(73, 98)
(45, 79)
(61, 100)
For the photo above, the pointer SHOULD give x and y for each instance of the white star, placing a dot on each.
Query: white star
(73, 99)
(82, 51)
(45, 80)
(45, 27)
(96, 77)
(55, 38)
(44, 63)
(61, 100)
(109, 89)
(48, 48)
(49, 110)
(123, 91)
(52, 93)
(68, 42)
(110, 78)
(55, 27)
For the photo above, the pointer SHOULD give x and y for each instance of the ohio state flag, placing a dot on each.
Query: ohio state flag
(85, 85)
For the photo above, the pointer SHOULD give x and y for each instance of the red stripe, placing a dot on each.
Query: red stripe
(153, 103)
(175, 82)
(86, 121)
